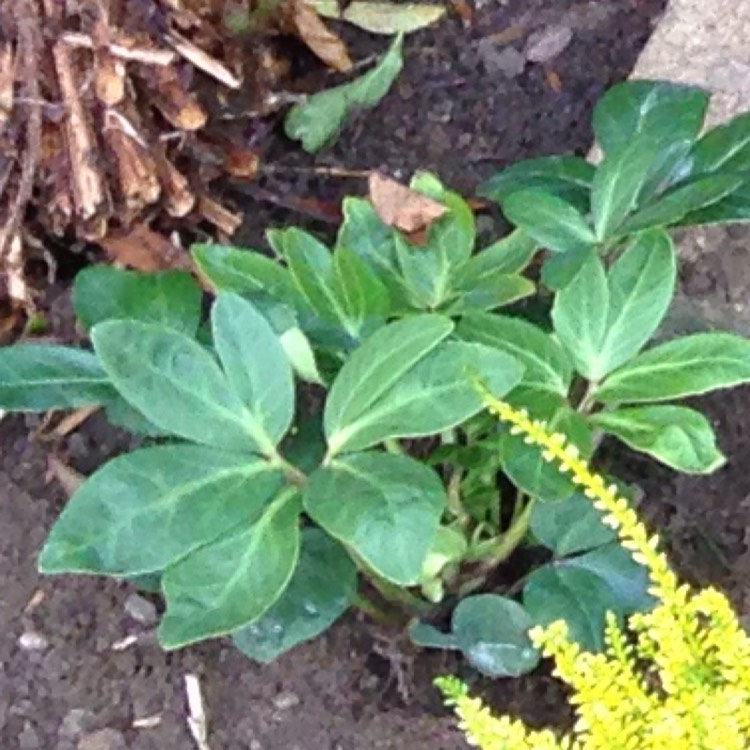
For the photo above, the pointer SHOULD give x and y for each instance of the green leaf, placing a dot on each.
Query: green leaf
(171, 298)
(256, 366)
(604, 320)
(619, 183)
(509, 255)
(614, 565)
(145, 510)
(733, 208)
(579, 597)
(546, 365)
(301, 356)
(492, 632)
(377, 364)
(365, 300)
(570, 525)
(428, 636)
(174, 382)
(121, 414)
(675, 435)
(227, 584)
(682, 200)
(683, 367)
(549, 220)
(37, 377)
(488, 293)
(385, 508)
(438, 393)
(670, 110)
(567, 177)
(365, 233)
(725, 148)
(382, 17)
(230, 269)
(317, 120)
(580, 315)
(524, 464)
(319, 592)
(558, 270)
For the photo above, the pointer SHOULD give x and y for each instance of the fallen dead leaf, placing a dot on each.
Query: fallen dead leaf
(381, 17)
(403, 208)
(145, 250)
(312, 30)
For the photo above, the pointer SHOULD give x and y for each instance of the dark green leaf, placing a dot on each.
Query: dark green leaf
(230, 269)
(580, 316)
(227, 584)
(510, 255)
(604, 320)
(549, 220)
(364, 232)
(427, 636)
(579, 597)
(365, 300)
(319, 592)
(545, 363)
(559, 269)
(121, 414)
(683, 199)
(37, 377)
(316, 120)
(683, 367)
(567, 177)
(384, 507)
(171, 298)
(675, 435)
(627, 580)
(492, 632)
(725, 148)
(735, 207)
(143, 511)
(437, 393)
(670, 110)
(489, 292)
(378, 364)
(256, 367)
(570, 525)
(619, 183)
(174, 382)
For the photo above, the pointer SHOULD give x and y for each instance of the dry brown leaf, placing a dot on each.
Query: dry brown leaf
(145, 250)
(68, 477)
(312, 30)
(403, 208)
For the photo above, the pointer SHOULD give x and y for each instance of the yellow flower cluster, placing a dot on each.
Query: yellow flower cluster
(677, 678)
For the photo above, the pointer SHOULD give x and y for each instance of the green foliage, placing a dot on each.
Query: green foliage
(263, 507)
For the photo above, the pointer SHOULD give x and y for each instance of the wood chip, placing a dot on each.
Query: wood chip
(144, 55)
(203, 61)
(197, 722)
(145, 250)
(227, 221)
(74, 420)
(70, 479)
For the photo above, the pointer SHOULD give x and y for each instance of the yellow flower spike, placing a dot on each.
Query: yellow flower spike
(676, 678)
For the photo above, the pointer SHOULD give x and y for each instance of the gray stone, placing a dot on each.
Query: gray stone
(28, 739)
(75, 723)
(141, 610)
(33, 641)
(286, 700)
(104, 739)
(546, 44)
(501, 59)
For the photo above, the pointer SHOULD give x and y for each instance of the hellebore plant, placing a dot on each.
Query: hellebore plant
(320, 441)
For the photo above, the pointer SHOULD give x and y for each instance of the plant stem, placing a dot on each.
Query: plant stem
(363, 604)
(292, 473)
(495, 551)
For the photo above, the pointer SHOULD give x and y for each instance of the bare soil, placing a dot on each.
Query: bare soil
(69, 680)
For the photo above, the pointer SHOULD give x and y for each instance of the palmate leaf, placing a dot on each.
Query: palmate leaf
(141, 512)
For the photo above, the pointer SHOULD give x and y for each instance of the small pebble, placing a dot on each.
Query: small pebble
(506, 61)
(33, 641)
(28, 739)
(75, 723)
(543, 46)
(286, 700)
(104, 739)
(141, 610)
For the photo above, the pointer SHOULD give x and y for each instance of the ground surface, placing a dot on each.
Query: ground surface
(462, 108)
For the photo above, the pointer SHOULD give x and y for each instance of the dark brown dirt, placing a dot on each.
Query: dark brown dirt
(451, 112)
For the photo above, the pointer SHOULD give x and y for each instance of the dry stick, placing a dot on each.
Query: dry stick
(28, 41)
